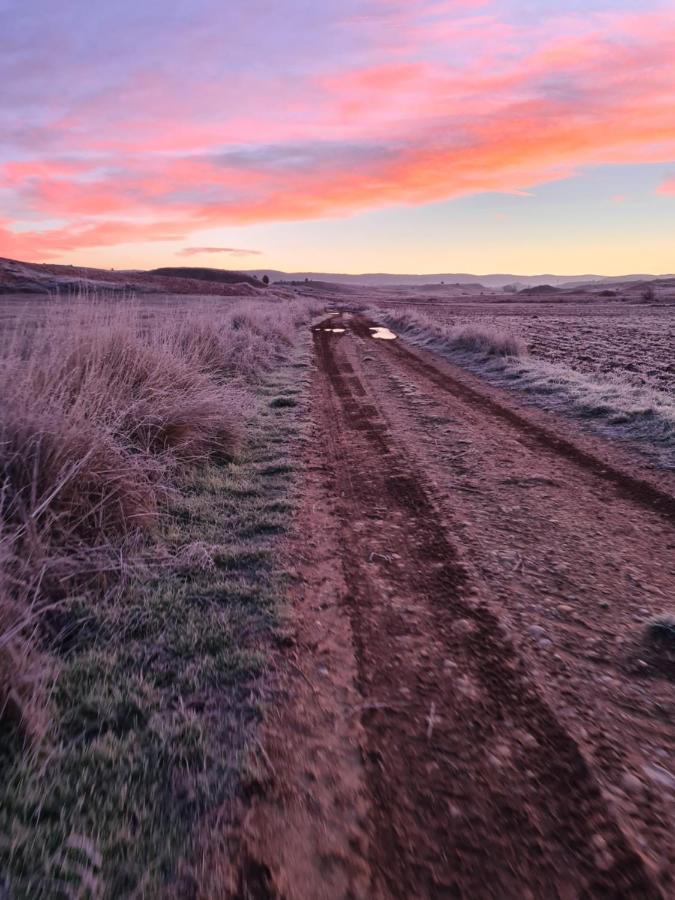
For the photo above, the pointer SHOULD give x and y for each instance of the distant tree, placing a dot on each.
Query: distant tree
(266, 279)
(649, 294)
(510, 288)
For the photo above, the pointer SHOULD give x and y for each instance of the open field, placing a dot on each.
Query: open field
(608, 365)
(294, 611)
(633, 342)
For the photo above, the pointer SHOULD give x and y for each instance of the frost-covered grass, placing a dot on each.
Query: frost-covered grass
(616, 406)
(145, 477)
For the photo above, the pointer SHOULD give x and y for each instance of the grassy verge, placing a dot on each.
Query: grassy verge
(620, 410)
(154, 677)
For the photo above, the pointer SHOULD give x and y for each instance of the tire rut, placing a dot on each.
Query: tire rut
(477, 789)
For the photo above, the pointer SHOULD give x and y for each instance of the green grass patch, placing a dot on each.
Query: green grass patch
(156, 691)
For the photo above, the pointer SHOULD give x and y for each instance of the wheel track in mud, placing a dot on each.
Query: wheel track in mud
(632, 488)
(444, 691)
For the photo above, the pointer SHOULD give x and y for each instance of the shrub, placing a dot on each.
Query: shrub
(487, 340)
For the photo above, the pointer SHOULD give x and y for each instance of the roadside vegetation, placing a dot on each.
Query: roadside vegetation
(612, 405)
(146, 476)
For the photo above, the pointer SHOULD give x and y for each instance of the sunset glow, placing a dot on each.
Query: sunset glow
(447, 135)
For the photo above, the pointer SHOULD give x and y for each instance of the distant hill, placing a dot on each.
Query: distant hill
(491, 281)
(221, 276)
(40, 278)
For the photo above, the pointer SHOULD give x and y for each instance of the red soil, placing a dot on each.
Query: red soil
(467, 709)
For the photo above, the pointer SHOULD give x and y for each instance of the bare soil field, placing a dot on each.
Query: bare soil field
(634, 342)
(606, 364)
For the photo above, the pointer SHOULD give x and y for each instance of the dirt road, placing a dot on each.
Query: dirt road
(468, 709)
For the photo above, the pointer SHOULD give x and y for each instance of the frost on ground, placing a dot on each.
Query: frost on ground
(615, 402)
(146, 479)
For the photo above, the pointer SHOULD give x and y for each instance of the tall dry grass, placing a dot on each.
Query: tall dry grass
(103, 405)
(474, 338)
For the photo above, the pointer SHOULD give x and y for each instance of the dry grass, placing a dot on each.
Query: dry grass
(105, 406)
(661, 631)
(146, 479)
(609, 403)
(486, 340)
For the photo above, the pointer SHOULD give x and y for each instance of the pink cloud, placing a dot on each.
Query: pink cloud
(505, 108)
(231, 251)
(667, 187)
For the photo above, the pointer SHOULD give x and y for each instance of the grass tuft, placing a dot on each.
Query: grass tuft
(660, 632)
(280, 402)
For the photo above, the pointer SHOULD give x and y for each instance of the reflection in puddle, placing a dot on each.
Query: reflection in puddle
(382, 333)
(335, 330)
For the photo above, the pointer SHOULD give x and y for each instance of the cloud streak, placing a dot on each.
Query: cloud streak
(386, 103)
(231, 251)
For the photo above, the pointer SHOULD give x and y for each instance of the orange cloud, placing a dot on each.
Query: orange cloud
(410, 130)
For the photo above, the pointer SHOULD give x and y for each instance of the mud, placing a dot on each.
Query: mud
(436, 735)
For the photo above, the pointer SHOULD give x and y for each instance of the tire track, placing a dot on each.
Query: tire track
(633, 488)
(477, 789)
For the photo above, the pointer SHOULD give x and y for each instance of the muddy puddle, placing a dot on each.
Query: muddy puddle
(381, 333)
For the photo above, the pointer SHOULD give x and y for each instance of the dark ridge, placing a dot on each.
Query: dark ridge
(221, 276)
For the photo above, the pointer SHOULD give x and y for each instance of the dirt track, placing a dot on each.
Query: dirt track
(468, 711)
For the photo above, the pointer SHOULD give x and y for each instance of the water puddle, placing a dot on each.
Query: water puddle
(334, 330)
(382, 334)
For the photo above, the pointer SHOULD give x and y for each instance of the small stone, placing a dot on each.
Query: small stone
(660, 775)
(565, 608)
(537, 631)
(544, 644)
(464, 626)
(599, 842)
(528, 740)
(604, 604)
(631, 783)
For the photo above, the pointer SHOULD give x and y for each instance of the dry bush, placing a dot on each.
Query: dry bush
(475, 338)
(488, 340)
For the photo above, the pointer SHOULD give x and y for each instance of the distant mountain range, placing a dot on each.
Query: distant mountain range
(37, 278)
(492, 281)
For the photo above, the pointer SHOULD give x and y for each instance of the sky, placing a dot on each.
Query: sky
(416, 136)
